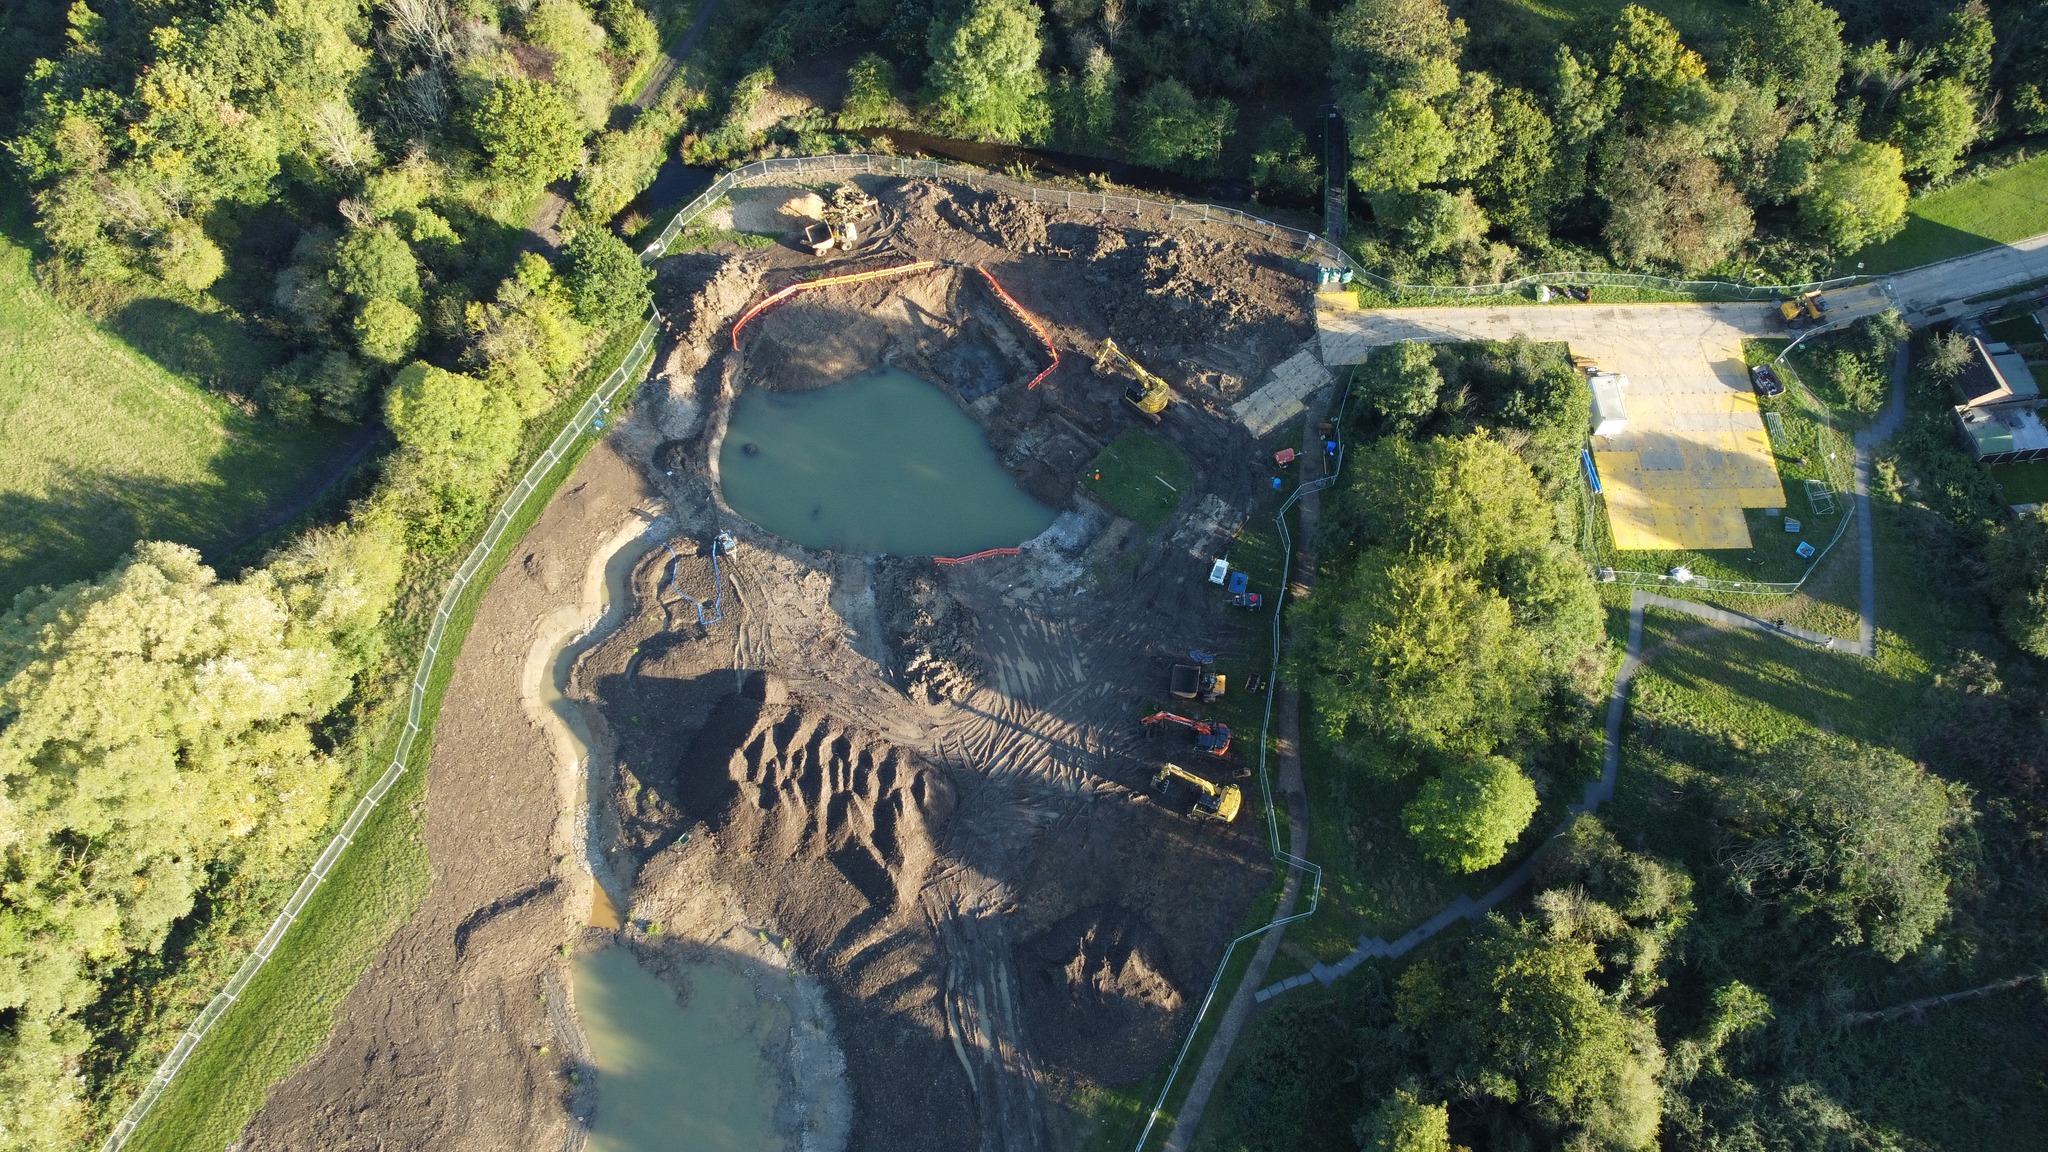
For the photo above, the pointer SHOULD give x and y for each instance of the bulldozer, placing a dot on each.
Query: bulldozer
(1218, 802)
(1803, 311)
(1212, 737)
(1147, 392)
(846, 214)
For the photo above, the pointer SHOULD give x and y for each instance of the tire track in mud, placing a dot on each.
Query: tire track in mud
(986, 1026)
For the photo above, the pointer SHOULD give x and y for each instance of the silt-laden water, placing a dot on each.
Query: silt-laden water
(882, 463)
(677, 1079)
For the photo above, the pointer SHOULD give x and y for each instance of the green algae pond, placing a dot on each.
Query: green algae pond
(884, 462)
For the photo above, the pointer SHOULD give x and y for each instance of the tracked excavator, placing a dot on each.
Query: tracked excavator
(1147, 392)
(1212, 737)
(1218, 802)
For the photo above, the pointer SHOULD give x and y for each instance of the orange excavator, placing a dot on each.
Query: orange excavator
(1211, 736)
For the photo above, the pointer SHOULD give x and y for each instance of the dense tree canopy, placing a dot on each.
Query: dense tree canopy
(1854, 839)
(1459, 605)
(985, 82)
(154, 725)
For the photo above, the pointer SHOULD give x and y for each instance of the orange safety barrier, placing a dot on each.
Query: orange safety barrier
(977, 556)
(1030, 322)
(807, 285)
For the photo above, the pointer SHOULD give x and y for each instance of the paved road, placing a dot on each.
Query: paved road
(1929, 292)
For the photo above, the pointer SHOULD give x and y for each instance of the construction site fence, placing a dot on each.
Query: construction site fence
(583, 420)
(802, 169)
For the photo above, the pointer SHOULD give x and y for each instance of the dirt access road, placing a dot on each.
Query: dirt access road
(926, 786)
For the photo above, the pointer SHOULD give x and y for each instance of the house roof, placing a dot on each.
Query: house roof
(1996, 374)
(2004, 430)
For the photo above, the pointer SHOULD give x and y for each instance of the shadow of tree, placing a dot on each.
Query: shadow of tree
(84, 523)
(219, 350)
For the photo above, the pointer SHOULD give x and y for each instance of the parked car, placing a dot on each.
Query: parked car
(1765, 380)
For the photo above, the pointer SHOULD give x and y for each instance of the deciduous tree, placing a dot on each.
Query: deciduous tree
(529, 131)
(607, 283)
(1852, 838)
(1670, 203)
(1936, 123)
(984, 80)
(1401, 382)
(1858, 198)
(1172, 129)
(1466, 817)
(1403, 1123)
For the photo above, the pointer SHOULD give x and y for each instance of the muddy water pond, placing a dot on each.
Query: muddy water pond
(672, 1077)
(884, 462)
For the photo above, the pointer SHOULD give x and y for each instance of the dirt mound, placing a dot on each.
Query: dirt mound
(1105, 1004)
(931, 635)
(700, 292)
(811, 789)
(995, 219)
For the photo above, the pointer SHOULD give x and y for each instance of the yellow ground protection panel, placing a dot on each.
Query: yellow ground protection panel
(1692, 494)
(1694, 456)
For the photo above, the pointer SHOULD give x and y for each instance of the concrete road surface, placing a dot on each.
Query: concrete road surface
(1933, 291)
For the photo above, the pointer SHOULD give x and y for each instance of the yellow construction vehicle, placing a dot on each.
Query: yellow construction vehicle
(844, 216)
(1804, 311)
(1147, 392)
(1218, 802)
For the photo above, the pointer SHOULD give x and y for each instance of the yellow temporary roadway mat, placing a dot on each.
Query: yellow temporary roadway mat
(1685, 469)
(1694, 453)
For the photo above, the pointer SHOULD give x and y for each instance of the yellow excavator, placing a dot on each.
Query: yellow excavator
(1218, 802)
(1805, 311)
(1147, 392)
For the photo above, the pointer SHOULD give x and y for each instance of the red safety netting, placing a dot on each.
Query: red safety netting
(1030, 322)
(850, 278)
(976, 556)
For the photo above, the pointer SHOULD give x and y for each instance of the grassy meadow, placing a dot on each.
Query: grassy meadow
(2010, 204)
(100, 446)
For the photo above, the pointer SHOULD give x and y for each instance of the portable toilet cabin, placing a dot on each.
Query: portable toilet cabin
(1610, 415)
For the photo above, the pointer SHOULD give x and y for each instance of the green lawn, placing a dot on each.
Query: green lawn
(2021, 483)
(100, 446)
(2008, 205)
(1141, 476)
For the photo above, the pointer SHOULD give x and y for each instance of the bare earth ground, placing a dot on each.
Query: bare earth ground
(910, 799)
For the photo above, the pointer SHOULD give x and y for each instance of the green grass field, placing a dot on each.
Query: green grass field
(2021, 483)
(1141, 476)
(101, 447)
(2005, 206)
